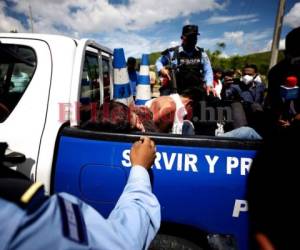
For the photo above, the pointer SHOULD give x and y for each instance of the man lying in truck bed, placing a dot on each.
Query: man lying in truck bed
(161, 116)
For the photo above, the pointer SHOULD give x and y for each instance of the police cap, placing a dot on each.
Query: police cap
(190, 30)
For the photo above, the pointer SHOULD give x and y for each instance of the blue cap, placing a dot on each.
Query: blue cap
(145, 59)
(190, 30)
(119, 59)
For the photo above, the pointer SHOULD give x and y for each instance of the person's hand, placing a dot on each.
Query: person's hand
(165, 72)
(143, 152)
(212, 90)
(284, 123)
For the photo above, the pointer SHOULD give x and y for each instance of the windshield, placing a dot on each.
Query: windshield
(17, 66)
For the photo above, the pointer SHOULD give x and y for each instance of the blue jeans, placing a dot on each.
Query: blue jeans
(188, 128)
(243, 133)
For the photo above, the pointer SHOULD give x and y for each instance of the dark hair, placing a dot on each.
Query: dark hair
(131, 61)
(190, 29)
(112, 117)
(146, 118)
(252, 66)
(292, 42)
(115, 117)
(195, 93)
(229, 72)
(273, 188)
(217, 70)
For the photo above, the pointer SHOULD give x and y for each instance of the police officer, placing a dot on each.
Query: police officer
(62, 221)
(190, 63)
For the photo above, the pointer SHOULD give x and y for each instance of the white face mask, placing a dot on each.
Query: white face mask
(247, 79)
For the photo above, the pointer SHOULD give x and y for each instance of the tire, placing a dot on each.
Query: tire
(169, 242)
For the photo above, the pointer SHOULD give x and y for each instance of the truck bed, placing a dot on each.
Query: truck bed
(199, 181)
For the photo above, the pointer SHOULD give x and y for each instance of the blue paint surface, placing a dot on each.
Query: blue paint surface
(189, 193)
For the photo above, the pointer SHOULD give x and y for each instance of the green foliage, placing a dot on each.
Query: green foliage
(262, 59)
(221, 45)
(153, 57)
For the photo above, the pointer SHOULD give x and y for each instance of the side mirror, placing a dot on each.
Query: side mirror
(14, 158)
(11, 158)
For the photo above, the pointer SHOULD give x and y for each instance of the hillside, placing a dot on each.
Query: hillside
(262, 60)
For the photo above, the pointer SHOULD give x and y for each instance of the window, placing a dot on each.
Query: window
(90, 87)
(106, 78)
(17, 67)
(90, 95)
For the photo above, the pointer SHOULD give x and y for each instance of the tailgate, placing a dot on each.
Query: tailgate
(199, 181)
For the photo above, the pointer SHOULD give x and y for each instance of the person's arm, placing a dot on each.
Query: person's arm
(136, 216)
(135, 220)
(208, 73)
(161, 62)
(65, 222)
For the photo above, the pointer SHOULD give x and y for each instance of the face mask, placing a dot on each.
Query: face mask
(246, 79)
(190, 42)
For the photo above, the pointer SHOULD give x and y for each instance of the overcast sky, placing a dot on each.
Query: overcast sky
(143, 26)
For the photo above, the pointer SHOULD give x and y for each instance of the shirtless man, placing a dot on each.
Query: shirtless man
(169, 112)
(161, 114)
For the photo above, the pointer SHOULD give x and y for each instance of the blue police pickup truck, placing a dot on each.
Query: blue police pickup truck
(200, 181)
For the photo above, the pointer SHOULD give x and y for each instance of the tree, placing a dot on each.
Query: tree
(221, 45)
(215, 56)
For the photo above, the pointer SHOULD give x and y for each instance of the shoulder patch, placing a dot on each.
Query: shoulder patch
(31, 192)
(73, 225)
(200, 49)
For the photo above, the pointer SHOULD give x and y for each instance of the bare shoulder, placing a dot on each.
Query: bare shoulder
(163, 105)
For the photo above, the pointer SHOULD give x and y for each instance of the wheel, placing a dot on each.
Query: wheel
(169, 242)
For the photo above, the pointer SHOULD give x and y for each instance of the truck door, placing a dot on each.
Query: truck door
(25, 79)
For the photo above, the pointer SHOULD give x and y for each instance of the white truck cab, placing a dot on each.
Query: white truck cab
(54, 73)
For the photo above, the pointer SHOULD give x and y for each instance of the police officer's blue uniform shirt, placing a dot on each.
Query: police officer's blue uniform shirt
(65, 222)
(208, 73)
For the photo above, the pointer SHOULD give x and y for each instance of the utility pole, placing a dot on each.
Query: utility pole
(277, 32)
(30, 16)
